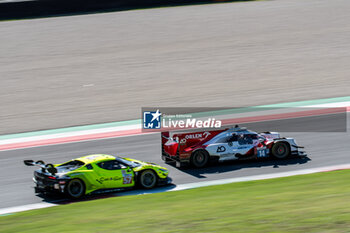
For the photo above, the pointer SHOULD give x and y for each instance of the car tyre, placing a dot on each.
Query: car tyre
(148, 179)
(75, 189)
(280, 150)
(200, 158)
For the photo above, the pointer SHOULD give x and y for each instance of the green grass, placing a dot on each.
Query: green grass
(309, 203)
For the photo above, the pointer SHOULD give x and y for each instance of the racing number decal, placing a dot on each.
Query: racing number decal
(262, 153)
(127, 178)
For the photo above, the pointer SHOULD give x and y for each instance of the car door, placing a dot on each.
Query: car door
(232, 144)
(115, 175)
(244, 143)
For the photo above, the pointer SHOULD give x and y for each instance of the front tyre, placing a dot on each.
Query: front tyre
(148, 179)
(200, 158)
(75, 189)
(280, 150)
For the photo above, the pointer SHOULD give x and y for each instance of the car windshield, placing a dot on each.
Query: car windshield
(128, 163)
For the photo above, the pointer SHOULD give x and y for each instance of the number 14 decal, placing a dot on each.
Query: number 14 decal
(262, 153)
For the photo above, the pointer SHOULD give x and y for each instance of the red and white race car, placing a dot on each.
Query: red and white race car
(198, 148)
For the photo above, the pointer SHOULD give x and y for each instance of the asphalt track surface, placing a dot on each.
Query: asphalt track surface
(77, 70)
(324, 149)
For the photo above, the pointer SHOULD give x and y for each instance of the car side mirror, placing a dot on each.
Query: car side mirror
(128, 169)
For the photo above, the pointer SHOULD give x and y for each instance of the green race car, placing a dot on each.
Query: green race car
(96, 173)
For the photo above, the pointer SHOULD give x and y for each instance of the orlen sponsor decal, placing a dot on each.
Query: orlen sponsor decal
(197, 135)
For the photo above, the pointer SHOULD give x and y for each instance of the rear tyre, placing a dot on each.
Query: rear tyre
(148, 179)
(280, 150)
(200, 158)
(75, 189)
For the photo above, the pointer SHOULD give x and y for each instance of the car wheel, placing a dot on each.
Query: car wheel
(280, 150)
(75, 188)
(148, 179)
(200, 158)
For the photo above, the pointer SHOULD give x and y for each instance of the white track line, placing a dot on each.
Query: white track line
(16, 209)
(345, 104)
(260, 177)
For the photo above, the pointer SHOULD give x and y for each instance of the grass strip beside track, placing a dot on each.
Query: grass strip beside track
(308, 203)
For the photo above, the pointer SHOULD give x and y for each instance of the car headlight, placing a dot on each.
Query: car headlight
(163, 170)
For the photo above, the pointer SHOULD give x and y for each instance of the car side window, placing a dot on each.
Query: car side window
(246, 139)
(110, 165)
(230, 138)
(233, 138)
(223, 139)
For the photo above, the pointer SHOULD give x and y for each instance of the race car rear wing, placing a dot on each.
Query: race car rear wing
(177, 143)
(44, 167)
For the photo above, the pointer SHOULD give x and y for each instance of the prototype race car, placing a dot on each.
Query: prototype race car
(198, 148)
(96, 173)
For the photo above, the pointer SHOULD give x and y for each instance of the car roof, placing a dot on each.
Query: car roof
(96, 158)
(242, 130)
(228, 133)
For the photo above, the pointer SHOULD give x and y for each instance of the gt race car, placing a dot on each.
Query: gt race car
(96, 173)
(198, 148)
